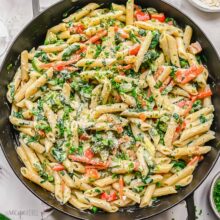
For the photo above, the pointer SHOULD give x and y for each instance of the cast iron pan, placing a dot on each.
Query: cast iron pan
(32, 36)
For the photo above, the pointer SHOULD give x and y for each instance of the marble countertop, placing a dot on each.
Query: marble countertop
(16, 201)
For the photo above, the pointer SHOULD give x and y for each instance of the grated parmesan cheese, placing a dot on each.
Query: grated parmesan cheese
(211, 3)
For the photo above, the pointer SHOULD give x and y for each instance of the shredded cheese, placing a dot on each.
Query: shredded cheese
(211, 3)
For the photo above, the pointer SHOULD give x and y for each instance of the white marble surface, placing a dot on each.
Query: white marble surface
(16, 201)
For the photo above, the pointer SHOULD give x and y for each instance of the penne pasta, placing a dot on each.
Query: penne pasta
(114, 109)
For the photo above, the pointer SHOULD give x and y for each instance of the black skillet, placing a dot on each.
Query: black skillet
(32, 36)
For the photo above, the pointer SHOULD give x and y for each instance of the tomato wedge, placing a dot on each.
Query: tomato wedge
(159, 17)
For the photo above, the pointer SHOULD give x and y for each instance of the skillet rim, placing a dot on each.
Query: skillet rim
(54, 206)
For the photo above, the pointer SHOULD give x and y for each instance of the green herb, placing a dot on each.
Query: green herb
(18, 114)
(162, 126)
(149, 58)
(80, 150)
(115, 176)
(86, 91)
(142, 32)
(176, 117)
(151, 10)
(43, 56)
(169, 20)
(184, 63)
(98, 50)
(155, 40)
(41, 168)
(178, 187)
(173, 72)
(72, 149)
(138, 189)
(131, 166)
(94, 209)
(98, 190)
(122, 156)
(202, 119)
(158, 84)
(118, 39)
(44, 127)
(69, 51)
(167, 90)
(147, 180)
(158, 184)
(197, 105)
(32, 139)
(59, 153)
(99, 143)
(9, 67)
(133, 37)
(178, 165)
(61, 128)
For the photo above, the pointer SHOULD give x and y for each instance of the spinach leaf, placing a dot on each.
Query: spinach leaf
(149, 58)
(155, 40)
(58, 152)
(178, 165)
(69, 51)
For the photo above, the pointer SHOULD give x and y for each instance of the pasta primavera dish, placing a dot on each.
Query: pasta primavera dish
(113, 109)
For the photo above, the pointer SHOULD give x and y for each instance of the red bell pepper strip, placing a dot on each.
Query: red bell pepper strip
(134, 50)
(92, 173)
(204, 94)
(58, 167)
(109, 197)
(97, 37)
(141, 16)
(121, 187)
(84, 159)
(159, 17)
(89, 153)
(194, 160)
(184, 76)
